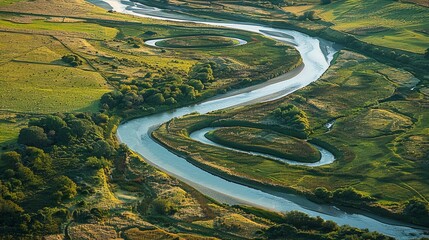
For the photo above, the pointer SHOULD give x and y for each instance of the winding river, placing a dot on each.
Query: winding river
(316, 55)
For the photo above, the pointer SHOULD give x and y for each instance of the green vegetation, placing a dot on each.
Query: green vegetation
(202, 41)
(42, 178)
(64, 175)
(377, 138)
(265, 141)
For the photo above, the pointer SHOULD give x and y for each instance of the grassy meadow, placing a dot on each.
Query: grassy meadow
(399, 25)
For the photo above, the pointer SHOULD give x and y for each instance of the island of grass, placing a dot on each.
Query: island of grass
(203, 41)
(265, 141)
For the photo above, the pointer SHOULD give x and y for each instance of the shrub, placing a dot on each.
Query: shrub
(33, 136)
(163, 207)
(156, 99)
(292, 117)
(322, 193)
(72, 59)
(97, 163)
(350, 194)
(197, 84)
(281, 231)
(11, 158)
(66, 187)
(416, 208)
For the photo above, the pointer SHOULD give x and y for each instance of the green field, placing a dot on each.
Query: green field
(399, 25)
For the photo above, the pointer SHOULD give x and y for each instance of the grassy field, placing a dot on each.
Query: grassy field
(378, 139)
(197, 42)
(48, 89)
(399, 25)
(265, 141)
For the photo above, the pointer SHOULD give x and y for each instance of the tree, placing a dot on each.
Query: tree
(33, 136)
(72, 59)
(197, 84)
(322, 193)
(323, 2)
(63, 136)
(163, 207)
(49, 123)
(350, 194)
(292, 117)
(156, 99)
(37, 159)
(10, 159)
(102, 148)
(282, 231)
(416, 208)
(66, 187)
(97, 163)
(427, 53)
(170, 101)
(80, 127)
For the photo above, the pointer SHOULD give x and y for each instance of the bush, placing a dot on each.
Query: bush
(281, 231)
(102, 148)
(323, 194)
(33, 136)
(72, 59)
(66, 187)
(163, 207)
(350, 194)
(11, 158)
(292, 117)
(97, 163)
(156, 99)
(416, 208)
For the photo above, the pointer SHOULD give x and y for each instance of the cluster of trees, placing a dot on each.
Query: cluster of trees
(67, 129)
(72, 59)
(168, 90)
(416, 209)
(301, 226)
(39, 171)
(348, 194)
(29, 174)
(308, 15)
(292, 117)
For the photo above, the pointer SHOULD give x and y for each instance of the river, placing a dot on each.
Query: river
(316, 55)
